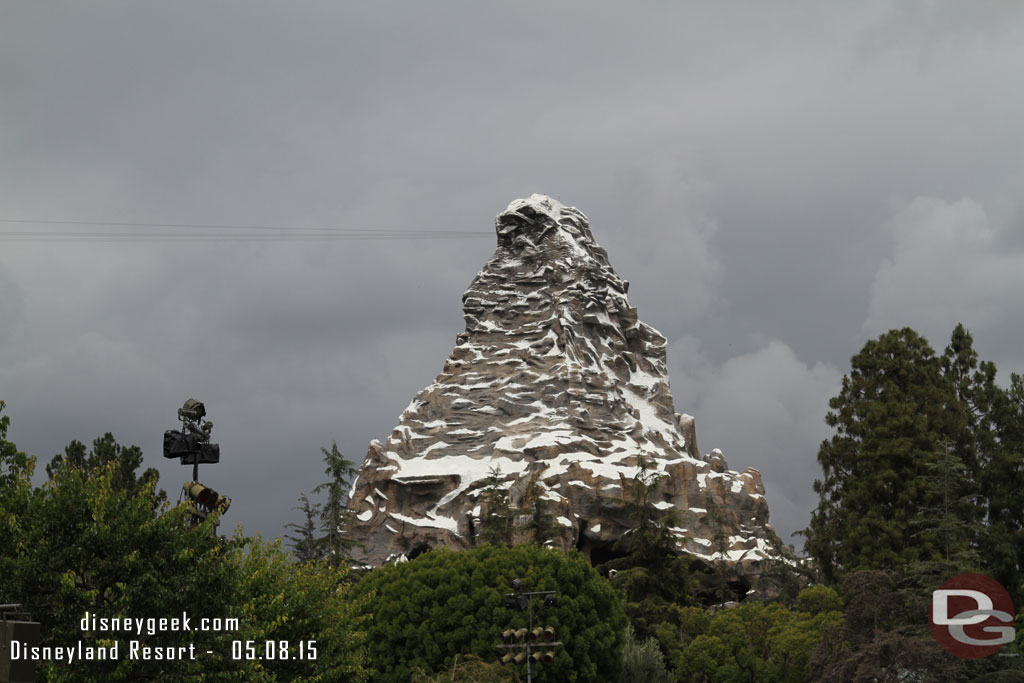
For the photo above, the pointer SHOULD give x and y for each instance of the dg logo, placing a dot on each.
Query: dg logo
(971, 616)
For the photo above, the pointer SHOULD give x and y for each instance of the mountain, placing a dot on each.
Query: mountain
(554, 381)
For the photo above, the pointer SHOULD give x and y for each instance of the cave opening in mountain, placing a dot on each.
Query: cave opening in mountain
(418, 550)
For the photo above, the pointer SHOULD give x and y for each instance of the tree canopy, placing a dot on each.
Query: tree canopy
(445, 604)
(90, 540)
(925, 466)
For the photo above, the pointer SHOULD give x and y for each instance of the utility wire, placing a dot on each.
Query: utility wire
(213, 232)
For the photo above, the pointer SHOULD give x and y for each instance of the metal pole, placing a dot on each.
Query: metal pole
(529, 634)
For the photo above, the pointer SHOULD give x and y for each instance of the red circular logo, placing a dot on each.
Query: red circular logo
(971, 616)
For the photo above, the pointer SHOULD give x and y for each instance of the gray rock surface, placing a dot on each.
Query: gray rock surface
(556, 380)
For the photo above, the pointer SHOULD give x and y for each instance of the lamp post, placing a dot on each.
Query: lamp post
(523, 638)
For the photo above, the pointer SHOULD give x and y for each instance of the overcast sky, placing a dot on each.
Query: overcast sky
(779, 183)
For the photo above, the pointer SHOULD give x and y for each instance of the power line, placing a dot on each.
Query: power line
(218, 232)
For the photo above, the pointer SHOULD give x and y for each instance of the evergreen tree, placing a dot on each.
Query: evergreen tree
(334, 514)
(537, 525)
(305, 545)
(642, 661)
(105, 450)
(952, 517)
(925, 470)
(650, 542)
(1001, 482)
(893, 410)
(496, 514)
(993, 452)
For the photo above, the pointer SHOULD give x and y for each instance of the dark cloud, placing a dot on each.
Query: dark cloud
(778, 184)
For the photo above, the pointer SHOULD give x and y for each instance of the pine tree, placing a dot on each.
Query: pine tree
(305, 546)
(650, 542)
(1001, 484)
(890, 415)
(105, 449)
(334, 514)
(538, 526)
(992, 450)
(497, 515)
(953, 493)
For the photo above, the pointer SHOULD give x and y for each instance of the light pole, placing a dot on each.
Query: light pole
(523, 639)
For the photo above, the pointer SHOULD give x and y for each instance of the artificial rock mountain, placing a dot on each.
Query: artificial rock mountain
(554, 381)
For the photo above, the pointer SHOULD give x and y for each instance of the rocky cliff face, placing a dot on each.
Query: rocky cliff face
(555, 381)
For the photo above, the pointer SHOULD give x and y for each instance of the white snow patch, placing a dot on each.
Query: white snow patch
(433, 447)
(438, 523)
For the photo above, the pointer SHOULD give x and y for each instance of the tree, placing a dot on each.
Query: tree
(105, 449)
(650, 541)
(992, 450)
(305, 545)
(952, 517)
(446, 603)
(287, 601)
(469, 669)
(332, 517)
(537, 525)
(652, 578)
(16, 470)
(882, 636)
(1001, 481)
(757, 642)
(890, 416)
(642, 661)
(86, 542)
(497, 516)
(334, 514)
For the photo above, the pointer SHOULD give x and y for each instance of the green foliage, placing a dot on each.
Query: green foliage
(653, 596)
(993, 451)
(538, 526)
(883, 636)
(469, 669)
(650, 541)
(642, 661)
(755, 642)
(305, 545)
(334, 514)
(893, 409)
(446, 603)
(282, 600)
(332, 517)
(86, 542)
(497, 516)
(817, 599)
(925, 470)
(16, 469)
(105, 450)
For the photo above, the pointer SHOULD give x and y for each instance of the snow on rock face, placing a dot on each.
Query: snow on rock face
(556, 380)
